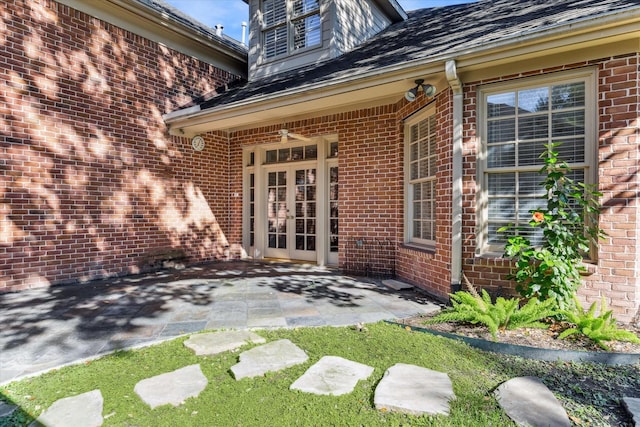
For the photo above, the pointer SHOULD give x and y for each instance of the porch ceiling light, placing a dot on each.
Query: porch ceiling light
(285, 135)
(429, 90)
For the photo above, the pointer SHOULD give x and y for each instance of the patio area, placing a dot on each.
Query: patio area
(50, 327)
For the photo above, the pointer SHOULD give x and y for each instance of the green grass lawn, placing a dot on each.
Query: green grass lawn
(590, 393)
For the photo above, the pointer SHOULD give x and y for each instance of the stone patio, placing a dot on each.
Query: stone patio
(48, 328)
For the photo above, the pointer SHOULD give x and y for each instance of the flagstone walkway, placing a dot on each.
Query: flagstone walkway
(47, 328)
(404, 388)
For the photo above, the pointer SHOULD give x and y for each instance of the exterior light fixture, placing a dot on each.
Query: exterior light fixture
(285, 135)
(429, 90)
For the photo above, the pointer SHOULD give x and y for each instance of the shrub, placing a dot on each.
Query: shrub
(597, 328)
(503, 314)
(569, 227)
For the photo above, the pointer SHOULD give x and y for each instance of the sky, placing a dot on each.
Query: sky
(231, 13)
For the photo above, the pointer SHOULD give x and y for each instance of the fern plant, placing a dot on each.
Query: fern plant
(503, 314)
(598, 329)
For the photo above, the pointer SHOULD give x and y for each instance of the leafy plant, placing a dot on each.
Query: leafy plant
(569, 227)
(602, 327)
(503, 314)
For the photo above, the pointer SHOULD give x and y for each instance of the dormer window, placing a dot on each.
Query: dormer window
(290, 25)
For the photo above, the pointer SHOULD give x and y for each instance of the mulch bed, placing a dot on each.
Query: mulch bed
(532, 337)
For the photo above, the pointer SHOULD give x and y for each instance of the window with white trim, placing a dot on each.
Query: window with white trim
(420, 167)
(289, 26)
(517, 120)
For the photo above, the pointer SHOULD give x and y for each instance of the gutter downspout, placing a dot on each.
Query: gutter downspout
(456, 207)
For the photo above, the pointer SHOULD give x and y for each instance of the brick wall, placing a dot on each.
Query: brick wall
(370, 163)
(371, 190)
(430, 269)
(616, 275)
(92, 185)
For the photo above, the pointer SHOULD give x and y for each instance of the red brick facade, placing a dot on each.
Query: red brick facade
(371, 190)
(616, 274)
(430, 269)
(92, 184)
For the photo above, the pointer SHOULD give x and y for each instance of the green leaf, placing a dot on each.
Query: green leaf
(568, 332)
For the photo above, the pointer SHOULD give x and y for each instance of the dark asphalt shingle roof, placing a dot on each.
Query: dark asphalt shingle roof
(427, 33)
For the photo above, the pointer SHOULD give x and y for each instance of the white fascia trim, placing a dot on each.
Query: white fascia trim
(393, 9)
(619, 19)
(179, 113)
(160, 28)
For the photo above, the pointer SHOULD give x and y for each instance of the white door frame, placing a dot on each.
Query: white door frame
(259, 168)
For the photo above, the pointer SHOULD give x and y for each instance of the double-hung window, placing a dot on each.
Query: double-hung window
(420, 170)
(290, 25)
(517, 120)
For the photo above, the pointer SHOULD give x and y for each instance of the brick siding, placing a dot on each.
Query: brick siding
(616, 274)
(92, 185)
(430, 269)
(370, 164)
(371, 188)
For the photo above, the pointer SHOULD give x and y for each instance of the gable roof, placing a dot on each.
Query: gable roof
(157, 21)
(428, 35)
(176, 15)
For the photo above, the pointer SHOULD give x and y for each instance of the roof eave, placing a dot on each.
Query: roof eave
(389, 83)
(558, 37)
(148, 22)
(623, 21)
(392, 9)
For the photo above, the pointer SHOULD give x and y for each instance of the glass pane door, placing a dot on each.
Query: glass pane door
(277, 212)
(305, 213)
(291, 213)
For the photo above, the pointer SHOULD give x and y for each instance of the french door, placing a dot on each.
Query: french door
(292, 212)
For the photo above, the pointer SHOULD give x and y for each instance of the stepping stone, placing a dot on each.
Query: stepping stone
(632, 404)
(414, 390)
(270, 357)
(6, 409)
(82, 410)
(528, 402)
(218, 342)
(173, 387)
(396, 285)
(332, 375)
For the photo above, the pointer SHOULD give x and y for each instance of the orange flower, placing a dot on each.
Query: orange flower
(538, 217)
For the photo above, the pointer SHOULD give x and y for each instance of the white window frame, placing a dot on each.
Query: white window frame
(589, 165)
(289, 25)
(409, 183)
